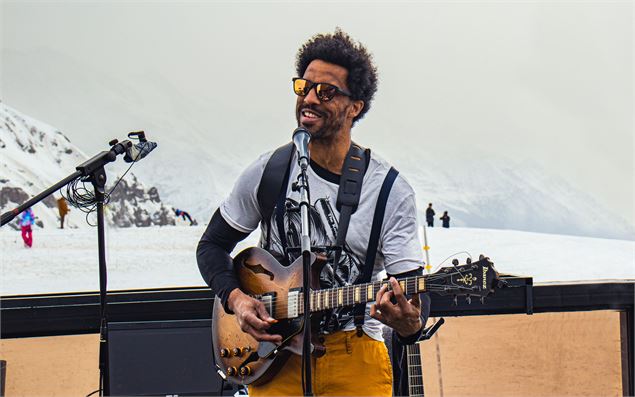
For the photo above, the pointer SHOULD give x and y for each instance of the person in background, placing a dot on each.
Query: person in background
(446, 220)
(25, 220)
(183, 215)
(430, 215)
(63, 209)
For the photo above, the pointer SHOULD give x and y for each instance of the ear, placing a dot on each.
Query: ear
(356, 108)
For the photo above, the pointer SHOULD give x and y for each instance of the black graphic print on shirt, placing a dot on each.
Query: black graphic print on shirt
(324, 225)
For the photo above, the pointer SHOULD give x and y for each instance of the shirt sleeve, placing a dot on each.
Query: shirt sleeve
(400, 244)
(240, 209)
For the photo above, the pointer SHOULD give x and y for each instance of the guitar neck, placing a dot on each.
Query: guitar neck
(415, 374)
(333, 298)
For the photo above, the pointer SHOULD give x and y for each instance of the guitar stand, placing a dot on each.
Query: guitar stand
(431, 330)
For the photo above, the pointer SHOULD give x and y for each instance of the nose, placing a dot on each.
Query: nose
(311, 98)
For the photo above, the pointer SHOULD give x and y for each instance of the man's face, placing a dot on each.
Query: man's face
(325, 119)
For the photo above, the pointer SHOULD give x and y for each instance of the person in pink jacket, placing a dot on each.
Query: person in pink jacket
(26, 220)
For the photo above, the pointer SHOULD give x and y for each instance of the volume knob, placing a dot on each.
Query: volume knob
(231, 371)
(224, 352)
(237, 351)
(245, 371)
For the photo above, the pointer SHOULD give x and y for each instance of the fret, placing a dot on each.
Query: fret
(421, 284)
(415, 375)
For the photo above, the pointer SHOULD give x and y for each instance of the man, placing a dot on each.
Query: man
(63, 210)
(430, 215)
(337, 81)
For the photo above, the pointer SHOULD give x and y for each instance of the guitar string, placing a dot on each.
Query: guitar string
(427, 280)
(333, 298)
(319, 300)
(284, 305)
(364, 287)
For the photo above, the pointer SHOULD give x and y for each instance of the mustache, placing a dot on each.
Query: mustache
(312, 108)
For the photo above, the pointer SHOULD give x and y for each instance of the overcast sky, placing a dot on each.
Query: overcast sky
(545, 81)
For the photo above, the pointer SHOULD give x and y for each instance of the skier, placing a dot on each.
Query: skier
(25, 220)
(63, 209)
(430, 215)
(446, 220)
(184, 215)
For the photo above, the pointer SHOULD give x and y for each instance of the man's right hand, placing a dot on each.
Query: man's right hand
(252, 316)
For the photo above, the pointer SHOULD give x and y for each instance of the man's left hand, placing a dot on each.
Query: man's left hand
(403, 316)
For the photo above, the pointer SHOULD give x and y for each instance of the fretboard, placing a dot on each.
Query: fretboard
(332, 298)
(415, 374)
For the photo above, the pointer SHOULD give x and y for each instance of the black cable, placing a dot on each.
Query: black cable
(90, 394)
(84, 199)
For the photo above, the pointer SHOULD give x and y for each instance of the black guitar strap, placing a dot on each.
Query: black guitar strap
(349, 192)
(273, 186)
(359, 310)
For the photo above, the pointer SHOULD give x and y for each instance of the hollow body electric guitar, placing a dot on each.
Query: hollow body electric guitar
(242, 360)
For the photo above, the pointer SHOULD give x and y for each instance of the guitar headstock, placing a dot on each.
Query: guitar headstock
(473, 279)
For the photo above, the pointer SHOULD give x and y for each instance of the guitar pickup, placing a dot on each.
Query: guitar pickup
(267, 300)
(293, 303)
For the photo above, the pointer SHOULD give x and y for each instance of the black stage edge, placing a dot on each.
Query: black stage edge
(78, 313)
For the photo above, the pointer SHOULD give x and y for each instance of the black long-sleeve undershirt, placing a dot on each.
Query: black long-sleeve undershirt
(212, 255)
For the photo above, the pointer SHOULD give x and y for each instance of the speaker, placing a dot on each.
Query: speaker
(162, 358)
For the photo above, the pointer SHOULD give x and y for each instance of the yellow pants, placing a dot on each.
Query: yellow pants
(352, 366)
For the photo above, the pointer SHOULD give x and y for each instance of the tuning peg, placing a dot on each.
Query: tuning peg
(468, 261)
(455, 262)
(468, 299)
(456, 300)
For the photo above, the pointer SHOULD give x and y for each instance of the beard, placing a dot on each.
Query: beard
(329, 126)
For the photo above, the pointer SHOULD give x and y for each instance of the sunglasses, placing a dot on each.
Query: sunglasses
(324, 91)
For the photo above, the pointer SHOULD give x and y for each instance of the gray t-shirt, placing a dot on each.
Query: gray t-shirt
(399, 247)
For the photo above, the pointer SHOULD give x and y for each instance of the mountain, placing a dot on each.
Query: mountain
(34, 156)
(496, 192)
(203, 147)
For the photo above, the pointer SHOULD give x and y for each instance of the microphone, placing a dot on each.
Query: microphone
(138, 151)
(301, 138)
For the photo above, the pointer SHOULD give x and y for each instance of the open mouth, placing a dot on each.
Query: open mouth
(308, 116)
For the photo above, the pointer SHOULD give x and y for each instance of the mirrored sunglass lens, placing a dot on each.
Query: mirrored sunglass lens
(301, 87)
(326, 92)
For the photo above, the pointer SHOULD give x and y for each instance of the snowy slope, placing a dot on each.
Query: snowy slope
(500, 193)
(66, 260)
(34, 156)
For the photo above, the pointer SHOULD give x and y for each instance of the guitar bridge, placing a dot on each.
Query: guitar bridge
(267, 300)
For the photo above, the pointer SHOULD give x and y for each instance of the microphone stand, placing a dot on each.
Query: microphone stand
(93, 171)
(305, 245)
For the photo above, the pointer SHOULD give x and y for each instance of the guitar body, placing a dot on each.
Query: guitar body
(240, 357)
(243, 360)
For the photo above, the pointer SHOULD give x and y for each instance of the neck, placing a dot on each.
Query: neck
(331, 154)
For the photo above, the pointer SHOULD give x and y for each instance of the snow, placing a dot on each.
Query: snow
(154, 257)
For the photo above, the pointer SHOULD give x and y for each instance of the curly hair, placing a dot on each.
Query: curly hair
(340, 49)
